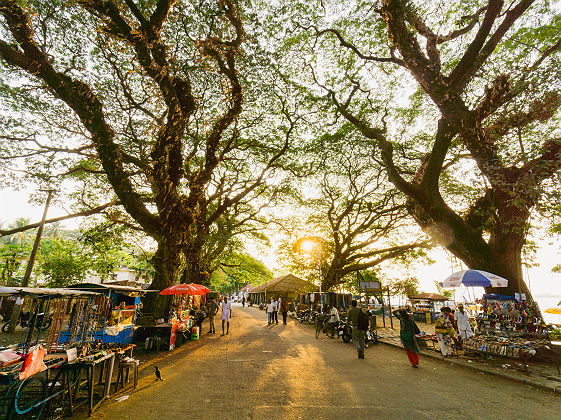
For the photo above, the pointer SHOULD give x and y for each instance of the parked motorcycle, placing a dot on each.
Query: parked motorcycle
(345, 331)
(43, 321)
(304, 316)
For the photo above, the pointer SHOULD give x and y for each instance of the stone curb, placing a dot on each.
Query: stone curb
(482, 369)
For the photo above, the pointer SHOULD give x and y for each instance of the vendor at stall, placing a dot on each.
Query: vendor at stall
(444, 332)
(462, 321)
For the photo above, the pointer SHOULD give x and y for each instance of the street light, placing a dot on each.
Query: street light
(308, 246)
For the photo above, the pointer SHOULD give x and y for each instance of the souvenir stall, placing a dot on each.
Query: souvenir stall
(123, 305)
(426, 306)
(342, 301)
(509, 326)
(185, 317)
(46, 367)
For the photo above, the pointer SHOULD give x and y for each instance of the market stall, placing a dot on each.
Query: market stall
(426, 306)
(508, 326)
(342, 301)
(185, 317)
(45, 367)
(123, 305)
(288, 286)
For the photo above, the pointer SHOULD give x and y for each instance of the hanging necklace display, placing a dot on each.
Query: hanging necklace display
(75, 322)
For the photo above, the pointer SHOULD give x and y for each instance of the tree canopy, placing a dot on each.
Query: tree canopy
(185, 120)
(460, 101)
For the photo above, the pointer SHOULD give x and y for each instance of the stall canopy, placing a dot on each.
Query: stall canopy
(553, 311)
(186, 289)
(474, 278)
(41, 291)
(288, 283)
(429, 296)
(288, 286)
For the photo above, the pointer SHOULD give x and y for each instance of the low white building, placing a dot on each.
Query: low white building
(121, 274)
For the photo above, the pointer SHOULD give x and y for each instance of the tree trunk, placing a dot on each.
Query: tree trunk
(500, 255)
(195, 269)
(506, 249)
(166, 262)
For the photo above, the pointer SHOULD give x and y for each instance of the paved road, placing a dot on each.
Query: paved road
(260, 372)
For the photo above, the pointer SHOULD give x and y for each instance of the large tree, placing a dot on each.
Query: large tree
(461, 102)
(363, 218)
(146, 96)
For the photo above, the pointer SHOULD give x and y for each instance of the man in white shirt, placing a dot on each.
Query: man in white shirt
(226, 314)
(270, 312)
(462, 321)
(334, 315)
(275, 311)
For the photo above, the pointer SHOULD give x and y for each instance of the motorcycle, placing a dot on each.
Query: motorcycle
(304, 316)
(345, 331)
(262, 306)
(43, 321)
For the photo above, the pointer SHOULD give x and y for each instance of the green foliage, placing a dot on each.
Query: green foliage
(63, 262)
(406, 287)
(237, 270)
(12, 258)
(444, 292)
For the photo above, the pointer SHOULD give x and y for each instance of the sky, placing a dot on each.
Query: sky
(544, 284)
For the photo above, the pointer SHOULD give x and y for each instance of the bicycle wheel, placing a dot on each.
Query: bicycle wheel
(29, 399)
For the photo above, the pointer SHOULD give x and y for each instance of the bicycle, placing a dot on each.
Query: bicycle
(325, 325)
(321, 323)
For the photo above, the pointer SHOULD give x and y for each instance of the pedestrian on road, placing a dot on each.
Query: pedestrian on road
(226, 307)
(275, 311)
(407, 331)
(284, 310)
(243, 301)
(358, 335)
(462, 320)
(270, 312)
(444, 331)
(212, 309)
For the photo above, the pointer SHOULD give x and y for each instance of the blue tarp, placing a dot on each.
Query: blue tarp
(493, 296)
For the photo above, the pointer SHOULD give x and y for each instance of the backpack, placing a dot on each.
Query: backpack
(363, 321)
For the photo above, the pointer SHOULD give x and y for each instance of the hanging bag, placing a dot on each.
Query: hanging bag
(363, 321)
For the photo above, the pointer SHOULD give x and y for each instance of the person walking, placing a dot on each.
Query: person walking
(275, 311)
(358, 335)
(284, 310)
(270, 312)
(211, 309)
(444, 331)
(462, 321)
(407, 331)
(226, 307)
(243, 301)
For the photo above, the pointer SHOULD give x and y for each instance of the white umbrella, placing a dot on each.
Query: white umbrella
(474, 278)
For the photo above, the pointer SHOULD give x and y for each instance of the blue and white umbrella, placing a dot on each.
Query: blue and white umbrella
(474, 278)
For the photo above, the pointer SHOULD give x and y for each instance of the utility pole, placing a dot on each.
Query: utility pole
(17, 307)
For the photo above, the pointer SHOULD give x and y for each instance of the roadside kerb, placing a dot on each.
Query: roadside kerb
(480, 369)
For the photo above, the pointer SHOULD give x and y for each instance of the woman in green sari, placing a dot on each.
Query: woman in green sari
(407, 332)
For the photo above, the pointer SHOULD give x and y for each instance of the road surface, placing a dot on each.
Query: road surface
(283, 372)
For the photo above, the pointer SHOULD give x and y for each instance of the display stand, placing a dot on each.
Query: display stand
(511, 327)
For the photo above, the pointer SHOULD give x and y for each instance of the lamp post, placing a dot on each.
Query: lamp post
(319, 275)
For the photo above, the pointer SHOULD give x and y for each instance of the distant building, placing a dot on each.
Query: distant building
(122, 274)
